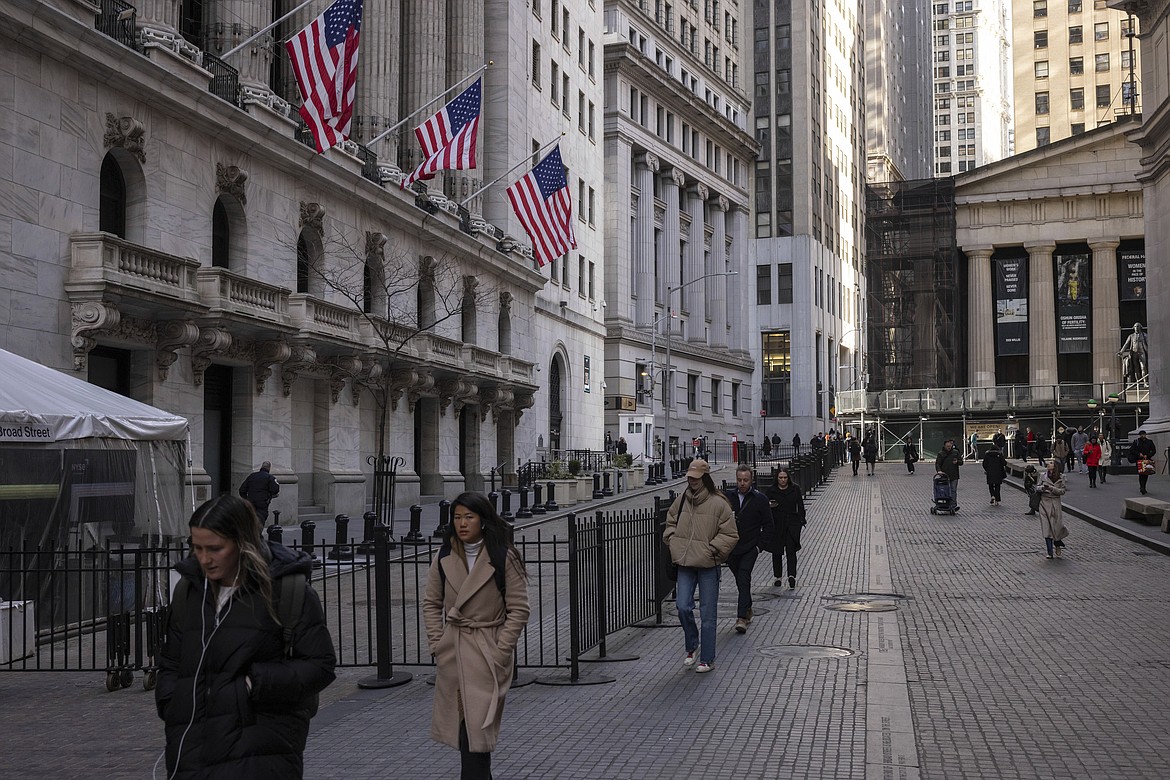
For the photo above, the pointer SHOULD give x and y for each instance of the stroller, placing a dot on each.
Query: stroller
(944, 504)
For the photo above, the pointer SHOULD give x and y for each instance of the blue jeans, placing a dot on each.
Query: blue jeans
(708, 582)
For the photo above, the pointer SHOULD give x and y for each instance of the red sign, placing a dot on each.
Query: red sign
(763, 413)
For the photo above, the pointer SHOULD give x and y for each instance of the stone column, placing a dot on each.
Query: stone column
(646, 167)
(1041, 314)
(718, 285)
(981, 317)
(377, 100)
(231, 22)
(671, 259)
(694, 296)
(424, 66)
(739, 284)
(1106, 323)
(465, 53)
(158, 20)
(619, 231)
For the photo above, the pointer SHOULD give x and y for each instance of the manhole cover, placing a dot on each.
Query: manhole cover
(862, 606)
(805, 651)
(866, 596)
(761, 596)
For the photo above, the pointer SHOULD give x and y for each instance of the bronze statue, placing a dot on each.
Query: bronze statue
(1133, 355)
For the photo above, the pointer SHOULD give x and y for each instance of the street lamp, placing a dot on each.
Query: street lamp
(653, 371)
(666, 395)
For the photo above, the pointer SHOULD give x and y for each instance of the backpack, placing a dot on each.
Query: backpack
(289, 602)
(498, 565)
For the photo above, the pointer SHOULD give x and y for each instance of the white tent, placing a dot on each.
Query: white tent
(81, 466)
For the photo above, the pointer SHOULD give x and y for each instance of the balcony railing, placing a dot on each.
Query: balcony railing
(227, 292)
(102, 260)
(118, 19)
(1006, 398)
(314, 316)
(225, 80)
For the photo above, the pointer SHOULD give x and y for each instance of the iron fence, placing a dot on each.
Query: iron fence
(225, 80)
(118, 19)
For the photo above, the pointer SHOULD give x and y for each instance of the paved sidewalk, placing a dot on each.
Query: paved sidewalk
(993, 663)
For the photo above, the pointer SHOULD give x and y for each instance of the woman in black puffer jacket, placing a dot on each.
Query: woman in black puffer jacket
(788, 518)
(234, 703)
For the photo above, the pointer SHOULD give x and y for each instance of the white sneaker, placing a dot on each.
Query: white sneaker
(704, 668)
(689, 660)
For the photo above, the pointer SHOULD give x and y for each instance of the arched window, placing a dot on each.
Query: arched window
(220, 235)
(426, 293)
(555, 416)
(303, 260)
(467, 311)
(112, 209)
(505, 332)
(309, 259)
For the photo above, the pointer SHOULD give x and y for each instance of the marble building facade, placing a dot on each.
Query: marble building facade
(187, 248)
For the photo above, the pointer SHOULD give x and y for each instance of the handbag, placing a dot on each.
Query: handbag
(1034, 501)
(1145, 466)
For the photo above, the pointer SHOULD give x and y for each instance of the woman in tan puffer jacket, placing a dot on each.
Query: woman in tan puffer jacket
(700, 534)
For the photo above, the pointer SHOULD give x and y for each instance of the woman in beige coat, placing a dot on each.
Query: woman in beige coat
(475, 608)
(1051, 487)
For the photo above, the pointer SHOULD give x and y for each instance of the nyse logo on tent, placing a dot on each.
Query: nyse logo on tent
(10, 432)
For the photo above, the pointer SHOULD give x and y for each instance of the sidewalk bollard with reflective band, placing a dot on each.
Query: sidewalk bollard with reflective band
(597, 486)
(606, 489)
(341, 551)
(444, 517)
(506, 505)
(414, 536)
(494, 497)
(537, 504)
(551, 503)
(309, 539)
(275, 534)
(369, 521)
(523, 513)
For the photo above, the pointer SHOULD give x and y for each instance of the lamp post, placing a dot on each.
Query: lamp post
(653, 371)
(1114, 455)
(666, 395)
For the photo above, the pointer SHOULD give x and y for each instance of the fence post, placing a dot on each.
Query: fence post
(341, 551)
(551, 504)
(369, 520)
(597, 486)
(415, 534)
(523, 513)
(506, 505)
(606, 488)
(494, 497)
(386, 677)
(444, 517)
(537, 507)
(309, 540)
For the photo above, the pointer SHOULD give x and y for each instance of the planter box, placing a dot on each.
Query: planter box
(566, 491)
(18, 630)
(633, 478)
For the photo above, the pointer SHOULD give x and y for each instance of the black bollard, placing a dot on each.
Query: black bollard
(275, 534)
(606, 489)
(506, 505)
(537, 505)
(341, 551)
(414, 536)
(369, 522)
(276, 517)
(597, 486)
(309, 539)
(444, 517)
(494, 497)
(523, 513)
(551, 504)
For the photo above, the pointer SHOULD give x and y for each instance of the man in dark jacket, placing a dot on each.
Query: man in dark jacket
(995, 467)
(753, 520)
(259, 488)
(855, 453)
(1142, 448)
(948, 462)
(796, 443)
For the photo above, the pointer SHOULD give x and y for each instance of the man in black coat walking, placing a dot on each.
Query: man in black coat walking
(948, 462)
(259, 488)
(753, 520)
(995, 467)
(1142, 448)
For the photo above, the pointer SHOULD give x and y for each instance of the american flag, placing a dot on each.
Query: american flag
(542, 202)
(448, 138)
(324, 59)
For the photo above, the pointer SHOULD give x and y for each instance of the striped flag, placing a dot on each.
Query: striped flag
(324, 60)
(544, 207)
(448, 138)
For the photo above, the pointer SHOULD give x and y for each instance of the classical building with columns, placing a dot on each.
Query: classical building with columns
(678, 164)
(167, 232)
(1153, 140)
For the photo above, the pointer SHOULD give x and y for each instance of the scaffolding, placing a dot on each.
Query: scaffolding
(912, 277)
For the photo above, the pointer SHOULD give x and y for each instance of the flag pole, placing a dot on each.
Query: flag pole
(249, 41)
(497, 180)
(423, 107)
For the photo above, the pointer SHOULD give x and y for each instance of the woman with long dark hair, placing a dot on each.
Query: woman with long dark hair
(475, 609)
(246, 652)
(788, 518)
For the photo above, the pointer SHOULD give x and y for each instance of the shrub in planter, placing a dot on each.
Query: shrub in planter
(623, 461)
(574, 467)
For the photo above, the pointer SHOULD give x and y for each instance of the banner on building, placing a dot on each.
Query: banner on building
(1011, 306)
(1131, 270)
(1073, 304)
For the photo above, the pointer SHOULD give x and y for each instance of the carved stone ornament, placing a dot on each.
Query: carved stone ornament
(299, 359)
(470, 285)
(679, 178)
(423, 385)
(370, 376)
(230, 180)
(650, 160)
(173, 336)
(313, 216)
(127, 133)
(724, 203)
(505, 301)
(699, 191)
(267, 353)
(375, 247)
(456, 392)
(90, 319)
(211, 342)
(522, 401)
(342, 369)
